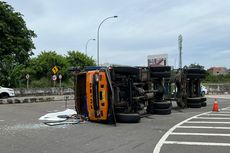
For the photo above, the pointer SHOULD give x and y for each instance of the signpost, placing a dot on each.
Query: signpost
(27, 80)
(54, 78)
(60, 77)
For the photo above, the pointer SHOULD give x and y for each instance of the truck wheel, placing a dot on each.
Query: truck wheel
(128, 118)
(4, 95)
(194, 105)
(194, 100)
(203, 99)
(203, 104)
(162, 111)
(160, 69)
(161, 74)
(162, 104)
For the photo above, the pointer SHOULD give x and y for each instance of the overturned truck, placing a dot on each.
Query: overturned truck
(125, 94)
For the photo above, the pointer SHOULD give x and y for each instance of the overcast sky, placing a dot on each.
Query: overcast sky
(143, 27)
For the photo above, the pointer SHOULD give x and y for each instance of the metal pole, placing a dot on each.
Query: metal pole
(27, 84)
(98, 36)
(180, 39)
(86, 46)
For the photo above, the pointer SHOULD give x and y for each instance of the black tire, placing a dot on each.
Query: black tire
(196, 76)
(196, 70)
(162, 105)
(194, 105)
(161, 74)
(160, 68)
(4, 95)
(162, 111)
(128, 118)
(203, 104)
(203, 99)
(194, 100)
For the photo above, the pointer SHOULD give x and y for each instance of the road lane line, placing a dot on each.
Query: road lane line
(226, 108)
(160, 143)
(197, 143)
(219, 114)
(225, 112)
(212, 118)
(203, 127)
(201, 134)
(207, 122)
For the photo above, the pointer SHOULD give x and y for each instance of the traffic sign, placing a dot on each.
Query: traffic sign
(54, 77)
(55, 70)
(60, 76)
(27, 76)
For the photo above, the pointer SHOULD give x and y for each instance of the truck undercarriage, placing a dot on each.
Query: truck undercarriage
(124, 94)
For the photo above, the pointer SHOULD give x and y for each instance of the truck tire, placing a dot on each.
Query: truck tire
(195, 76)
(194, 105)
(128, 118)
(194, 100)
(162, 105)
(203, 104)
(160, 69)
(203, 99)
(162, 111)
(160, 74)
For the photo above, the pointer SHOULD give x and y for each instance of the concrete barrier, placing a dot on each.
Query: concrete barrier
(218, 88)
(36, 99)
(19, 92)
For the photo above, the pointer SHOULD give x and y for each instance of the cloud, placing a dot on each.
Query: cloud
(142, 28)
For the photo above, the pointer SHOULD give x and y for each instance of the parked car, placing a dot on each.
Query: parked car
(6, 92)
(204, 90)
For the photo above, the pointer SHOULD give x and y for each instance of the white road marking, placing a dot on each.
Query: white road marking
(203, 127)
(226, 108)
(197, 143)
(213, 118)
(206, 122)
(225, 112)
(219, 114)
(165, 136)
(201, 134)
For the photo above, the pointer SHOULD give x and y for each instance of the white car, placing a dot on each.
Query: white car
(6, 92)
(204, 90)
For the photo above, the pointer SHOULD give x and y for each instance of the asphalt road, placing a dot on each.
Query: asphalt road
(21, 132)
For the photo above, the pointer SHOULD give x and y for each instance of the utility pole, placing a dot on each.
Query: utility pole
(180, 39)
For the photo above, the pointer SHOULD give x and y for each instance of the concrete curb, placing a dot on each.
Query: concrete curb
(20, 100)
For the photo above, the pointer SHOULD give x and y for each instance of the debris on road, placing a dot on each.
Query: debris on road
(69, 116)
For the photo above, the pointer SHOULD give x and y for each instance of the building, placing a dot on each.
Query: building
(158, 60)
(218, 70)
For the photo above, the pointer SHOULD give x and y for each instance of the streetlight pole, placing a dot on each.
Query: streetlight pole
(180, 39)
(87, 45)
(98, 36)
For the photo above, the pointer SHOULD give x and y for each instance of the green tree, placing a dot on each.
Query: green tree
(76, 58)
(15, 44)
(42, 65)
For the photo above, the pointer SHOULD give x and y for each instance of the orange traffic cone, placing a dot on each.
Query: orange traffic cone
(215, 106)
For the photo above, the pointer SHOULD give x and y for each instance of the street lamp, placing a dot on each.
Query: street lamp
(98, 36)
(87, 45)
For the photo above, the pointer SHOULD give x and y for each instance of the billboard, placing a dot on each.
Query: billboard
(158, 60)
